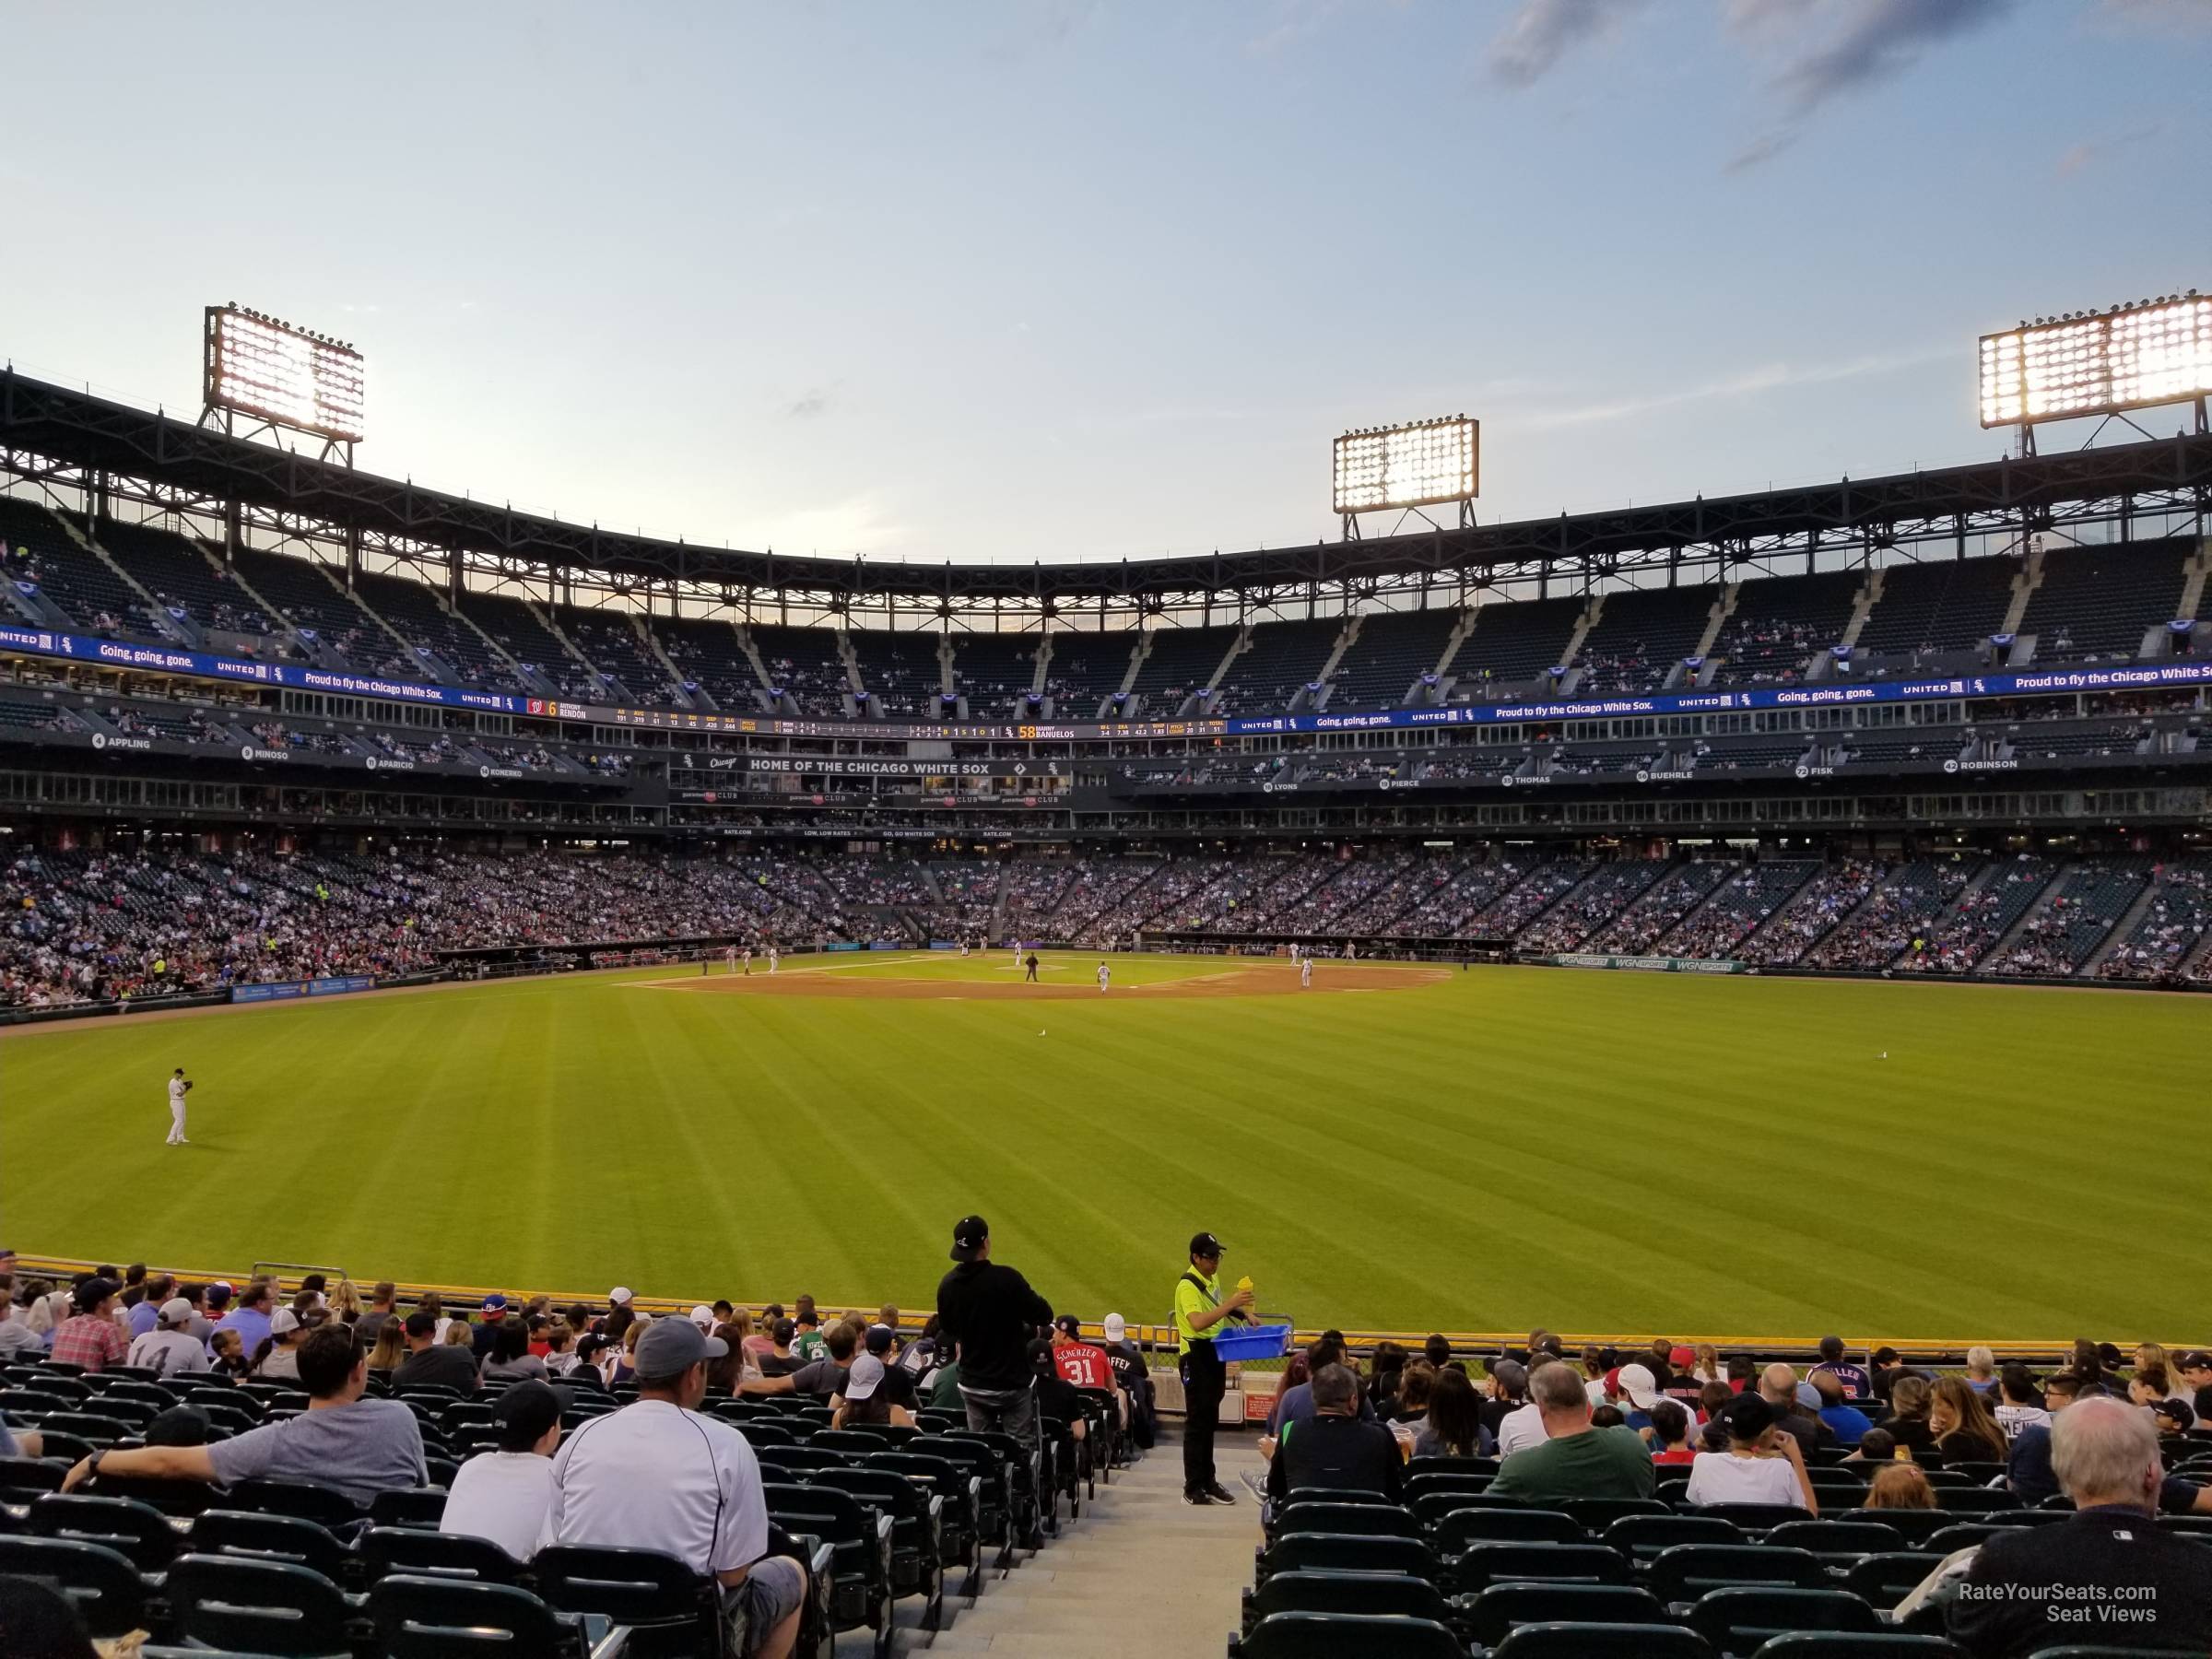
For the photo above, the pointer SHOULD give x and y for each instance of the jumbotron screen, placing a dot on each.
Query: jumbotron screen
(288, 376)
(2134, 358)
(1418, 464)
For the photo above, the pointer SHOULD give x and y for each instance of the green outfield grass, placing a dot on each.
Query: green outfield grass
(1586, 1150)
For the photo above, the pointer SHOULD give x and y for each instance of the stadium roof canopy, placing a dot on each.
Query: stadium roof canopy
(61, 435)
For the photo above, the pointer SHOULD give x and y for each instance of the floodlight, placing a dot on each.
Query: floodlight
(2098, 362)
(287, 376)
(1414, 465)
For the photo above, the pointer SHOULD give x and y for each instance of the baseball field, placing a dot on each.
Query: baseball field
(1395, 1147)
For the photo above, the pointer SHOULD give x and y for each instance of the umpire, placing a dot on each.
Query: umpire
(1199, 1308)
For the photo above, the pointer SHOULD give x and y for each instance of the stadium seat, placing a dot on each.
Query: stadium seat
(1487, 1564)
(258, 1607)
(1860, 1644)
(260, 1536)
(1495, 1613)
(134, 1530)
(1419, 1466)
(1603, 1641)
(1689, 1571)
(1644, 1536)
(671, 1611)
(1752, 1517)
(1348, 1636)
(1853, 1536)
(1738, 1621)
(101, 1584)
(1916, 1527)
(860, 1539)
(180, 1499)
(408, 1506)
(22, 1478)
(1464, 1527)
(302, 1499)
(917, 1528)
(1419, 1486)
(447, 1618)
(1885, 1579)
(426, 1553)
(1976, 1499)
(1349, 1552)
(959, 1492)
(1375, 1520)
(1594, 1514)
(1375, 1594)
(847, 1442)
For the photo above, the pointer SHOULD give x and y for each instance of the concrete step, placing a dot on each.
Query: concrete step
(1138, 1558)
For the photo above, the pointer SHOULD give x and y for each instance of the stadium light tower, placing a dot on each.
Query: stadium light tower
(2143, 355)
(278, 376)
(1405, 468)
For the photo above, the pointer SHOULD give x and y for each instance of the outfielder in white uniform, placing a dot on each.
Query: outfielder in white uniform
(1105, 974)
(771, 959)
(748, 961)
(1305, 974)
(179, 1086)
(730, 956)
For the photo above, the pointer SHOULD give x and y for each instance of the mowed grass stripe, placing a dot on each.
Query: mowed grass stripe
(1509, 1146)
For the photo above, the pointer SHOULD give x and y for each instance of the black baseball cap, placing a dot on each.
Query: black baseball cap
(879, 1340)
(1748, 1416)
(2194, 1359)
(1068, 1326)
(1205, 1244)
(526, 1410)
(970, 1234)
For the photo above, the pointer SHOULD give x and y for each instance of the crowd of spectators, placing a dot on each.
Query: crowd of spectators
(131, 923)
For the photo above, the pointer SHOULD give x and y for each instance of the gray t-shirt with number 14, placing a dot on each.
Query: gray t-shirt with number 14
(368, 1447)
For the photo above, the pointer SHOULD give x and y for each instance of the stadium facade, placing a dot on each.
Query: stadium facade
(220, 641)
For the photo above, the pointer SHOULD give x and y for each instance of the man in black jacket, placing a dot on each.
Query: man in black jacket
(2109, 1575)
(992, 1313)
(1334, 1449)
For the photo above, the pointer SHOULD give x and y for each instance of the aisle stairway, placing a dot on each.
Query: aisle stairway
(1141, 1569)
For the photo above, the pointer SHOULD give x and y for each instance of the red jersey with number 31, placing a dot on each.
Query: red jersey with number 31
(1083, 1365)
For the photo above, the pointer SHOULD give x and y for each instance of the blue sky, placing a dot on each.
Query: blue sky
(1061, 279)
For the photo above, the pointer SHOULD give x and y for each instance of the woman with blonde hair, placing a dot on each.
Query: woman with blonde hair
(1708, 1367)
(459, 1333)
(346, 1301)
(1900, 1486)
(1959, 1418)
(390, 1346)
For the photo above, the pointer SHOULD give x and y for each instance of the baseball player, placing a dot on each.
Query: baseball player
(1029, 978)
(179, 1086)
(1105, 975)
(1305, 973)
(773, 957)
(730, 956)
(747, 961)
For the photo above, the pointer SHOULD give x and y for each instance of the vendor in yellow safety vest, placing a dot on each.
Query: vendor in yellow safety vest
(1199, 1307)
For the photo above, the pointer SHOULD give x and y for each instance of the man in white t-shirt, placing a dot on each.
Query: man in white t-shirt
(170, 1349)
(1520, 1429)
(503, 1495)
(1762, 1464)
(656, 1475)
